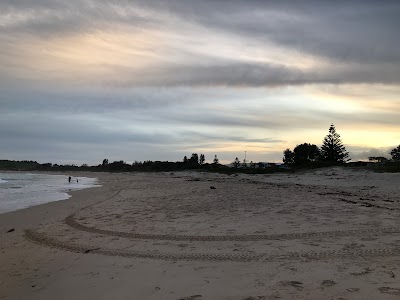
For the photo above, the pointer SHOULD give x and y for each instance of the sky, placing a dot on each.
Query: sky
(84, 80)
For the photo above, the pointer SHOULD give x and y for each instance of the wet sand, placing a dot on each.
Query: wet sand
(326, 234)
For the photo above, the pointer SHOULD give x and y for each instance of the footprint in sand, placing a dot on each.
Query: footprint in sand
(327, 283)
(389, 290)
(364, 272)
(194, 297)
(296, 284)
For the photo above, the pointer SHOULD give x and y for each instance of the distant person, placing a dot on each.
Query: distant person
(69, 179)
(77, 181)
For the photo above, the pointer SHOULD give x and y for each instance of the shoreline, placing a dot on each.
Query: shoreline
(288, 235)
(32, 211)
(57, 192)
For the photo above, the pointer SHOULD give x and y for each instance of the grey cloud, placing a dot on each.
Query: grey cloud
(96, 101)
(71, 129)
(63, 139)
(361, 35)
(359, 153)
(45, 18)
(178, 107)
(141, 114)
(370, 119)
(254, 75)
(78, 153)
(190, 136)
(353, 31)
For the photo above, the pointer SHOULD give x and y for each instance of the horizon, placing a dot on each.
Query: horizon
(155, 80)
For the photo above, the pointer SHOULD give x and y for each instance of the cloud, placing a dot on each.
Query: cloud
(152, 79)
(204, 43)
(362, 154)
(351, 31)
(252, 75)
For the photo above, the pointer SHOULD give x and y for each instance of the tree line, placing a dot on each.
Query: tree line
(332, 152)
(194, 162)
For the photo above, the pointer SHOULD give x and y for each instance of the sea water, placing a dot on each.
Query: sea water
(22, 190)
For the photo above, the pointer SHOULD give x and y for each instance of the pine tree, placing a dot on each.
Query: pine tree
(332, 149)
(216, 160)
(236, 162)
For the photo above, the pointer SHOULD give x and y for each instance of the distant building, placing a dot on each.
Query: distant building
(264, 165)
(360, 163)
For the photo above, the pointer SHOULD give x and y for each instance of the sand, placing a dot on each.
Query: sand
(327, 234)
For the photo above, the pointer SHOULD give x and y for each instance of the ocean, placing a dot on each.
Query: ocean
(22, 190)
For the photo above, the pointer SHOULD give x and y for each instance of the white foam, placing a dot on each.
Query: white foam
(22, 190)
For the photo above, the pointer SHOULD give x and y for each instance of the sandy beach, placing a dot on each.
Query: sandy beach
(325, 234)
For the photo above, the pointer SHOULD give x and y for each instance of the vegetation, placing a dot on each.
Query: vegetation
(303, 156)
(305, 153)
(332, 152)
(236, 163)
(194, 159)
(332, 149)
(216, 160)
(288, 157)
(146, 166)
(202, 159)
(244, 164)
(395, 153)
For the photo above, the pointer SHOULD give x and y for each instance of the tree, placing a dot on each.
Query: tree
(244, 164)
(202, 159)
(332, 149)
(305, 153)
(105, 162)
(395, 153)
(236, 162)
(216, 160)
(137, 163)
(288, 157)
(194, 158)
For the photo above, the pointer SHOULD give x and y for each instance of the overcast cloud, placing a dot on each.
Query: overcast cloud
(139, 80)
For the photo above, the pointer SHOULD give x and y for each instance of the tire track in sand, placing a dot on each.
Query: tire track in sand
(42, 239)
(70, 221)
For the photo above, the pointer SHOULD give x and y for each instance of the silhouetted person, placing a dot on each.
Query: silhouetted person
(69, 179)
(77, 181)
